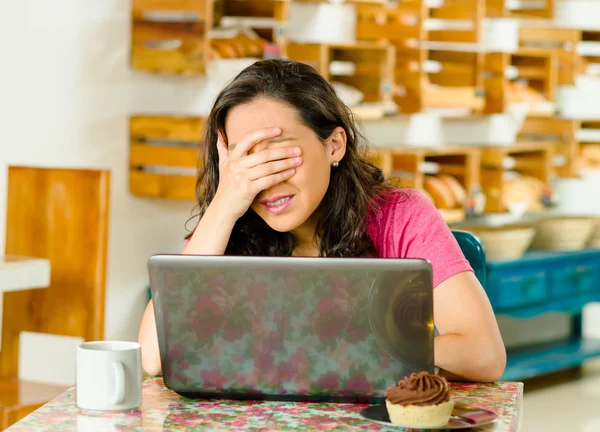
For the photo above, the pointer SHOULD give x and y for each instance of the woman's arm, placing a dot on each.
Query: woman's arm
(466, 323)
(210, 238)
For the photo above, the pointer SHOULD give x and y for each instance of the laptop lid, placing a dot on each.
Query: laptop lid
(291, 328)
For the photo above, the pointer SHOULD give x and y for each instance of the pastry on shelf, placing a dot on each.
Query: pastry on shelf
(440, 192)
(458, 191)
(589, 156)
(520, 93)
(236, 43)
(524, 189)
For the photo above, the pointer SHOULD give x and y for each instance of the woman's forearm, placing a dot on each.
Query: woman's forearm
(209, 238)
(483, 364)
(212, 232)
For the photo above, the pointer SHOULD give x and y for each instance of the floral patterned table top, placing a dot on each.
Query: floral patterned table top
(163, 410)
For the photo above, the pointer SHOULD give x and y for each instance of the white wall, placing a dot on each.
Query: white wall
(66, 92)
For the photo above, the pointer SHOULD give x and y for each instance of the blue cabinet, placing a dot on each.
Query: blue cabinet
(544, 282)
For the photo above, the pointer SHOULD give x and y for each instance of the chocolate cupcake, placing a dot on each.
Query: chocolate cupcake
(421, 400)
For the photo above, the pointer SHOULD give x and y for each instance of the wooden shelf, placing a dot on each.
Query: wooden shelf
(373, 63)
(559, 133)
(520, 8)
(407, 164)
(561, 43)
(163, 157)
(531, 159)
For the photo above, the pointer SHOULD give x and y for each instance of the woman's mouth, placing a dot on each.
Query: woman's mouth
(277, 204)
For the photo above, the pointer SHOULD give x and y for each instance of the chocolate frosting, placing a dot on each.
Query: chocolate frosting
(419, 389)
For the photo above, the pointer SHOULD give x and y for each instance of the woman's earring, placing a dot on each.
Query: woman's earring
(335, 164)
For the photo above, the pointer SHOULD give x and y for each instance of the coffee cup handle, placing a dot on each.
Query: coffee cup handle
(119, 383)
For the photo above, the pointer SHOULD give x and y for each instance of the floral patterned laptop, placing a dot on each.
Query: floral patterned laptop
(291, 328)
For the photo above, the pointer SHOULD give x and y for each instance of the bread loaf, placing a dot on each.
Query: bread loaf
(458, 191)
(440, 193)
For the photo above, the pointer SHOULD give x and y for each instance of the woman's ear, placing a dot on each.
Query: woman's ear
(337, 145)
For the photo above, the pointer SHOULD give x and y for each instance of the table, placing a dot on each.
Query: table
(164, 410)
(22, 273)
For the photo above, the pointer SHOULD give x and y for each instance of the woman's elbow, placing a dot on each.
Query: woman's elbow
(492, 368)
(151, 363)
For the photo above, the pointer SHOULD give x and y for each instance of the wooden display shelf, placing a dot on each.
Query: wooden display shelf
(176, 37)
(191, 8)
(401, 25)
(588, 151)
(561, 134)
(168, 47)
(407, 165)
(373, 64)
(428, 78)
(531, 159)
(574, 49)
(163, 156)
(520, 8)
(460, 162)
(538, 70)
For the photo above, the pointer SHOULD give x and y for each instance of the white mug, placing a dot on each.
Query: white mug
(109, 376)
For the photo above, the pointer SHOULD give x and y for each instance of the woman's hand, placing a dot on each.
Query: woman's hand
(242, 176)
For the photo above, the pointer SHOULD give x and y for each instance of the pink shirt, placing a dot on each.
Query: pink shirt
(407, 225)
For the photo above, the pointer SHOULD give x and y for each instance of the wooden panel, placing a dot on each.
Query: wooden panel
(559, 132)
(496, 86)
(162, 186)
(177, 128)
(560, 42)
(170, 48)
(61, 215)
(532, 159)
(163, 157)
(374, 75)
(143, 154)
(457, 97)
(250, 8)
(169, 5)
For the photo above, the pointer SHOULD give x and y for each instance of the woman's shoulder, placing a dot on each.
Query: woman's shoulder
(401, 202)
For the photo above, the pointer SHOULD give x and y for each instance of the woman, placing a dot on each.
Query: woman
(285, 174)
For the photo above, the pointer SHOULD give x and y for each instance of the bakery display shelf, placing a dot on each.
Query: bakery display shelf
(372, 65)
(588, 155)
(180, 37)
(577, 51)
(163, 156)
(449, 176)
(561, 133)
(518, 173)
(523, 77)
(540, 9)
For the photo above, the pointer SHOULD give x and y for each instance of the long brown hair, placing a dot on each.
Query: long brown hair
(354, 185)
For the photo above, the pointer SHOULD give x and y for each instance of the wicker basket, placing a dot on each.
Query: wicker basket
(504, 243)
(595, 239)
(563, 233)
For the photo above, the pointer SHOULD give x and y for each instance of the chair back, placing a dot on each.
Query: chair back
(61, 215)
(474, 252)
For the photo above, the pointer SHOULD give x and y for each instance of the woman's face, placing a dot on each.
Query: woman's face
(296, 199)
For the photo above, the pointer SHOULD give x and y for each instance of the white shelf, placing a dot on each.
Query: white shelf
(588, 135)
(21, 273)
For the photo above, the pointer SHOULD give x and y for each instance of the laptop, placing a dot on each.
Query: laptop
(299, 329)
